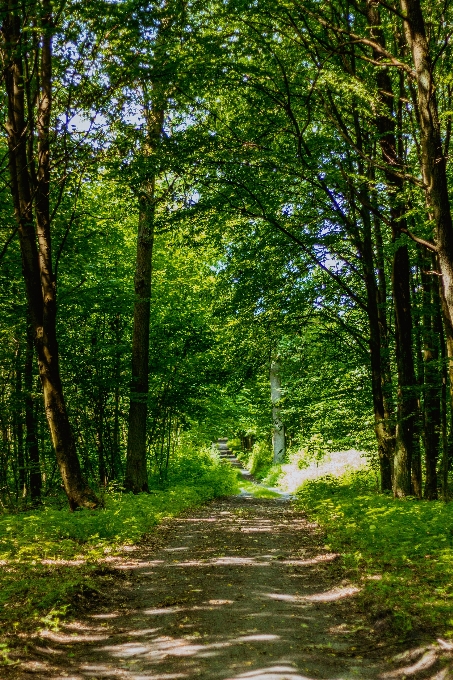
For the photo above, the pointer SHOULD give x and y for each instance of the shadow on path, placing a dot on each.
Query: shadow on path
(242, 590)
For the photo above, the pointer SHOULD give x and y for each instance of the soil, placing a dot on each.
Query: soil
(241, 589)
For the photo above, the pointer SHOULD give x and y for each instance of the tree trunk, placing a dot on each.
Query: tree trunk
(19, 428)
(278, 427)
(433, 161)
(444, 434)
(136, 478)
(102, 468)
(30, 421)
(416, 469)
(381, 425)
(446, 345)
(407, 402)
(37, 260)
(116, 457)
(386, 368)
(432, 327)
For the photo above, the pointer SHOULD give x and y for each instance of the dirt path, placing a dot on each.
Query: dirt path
(241, 589)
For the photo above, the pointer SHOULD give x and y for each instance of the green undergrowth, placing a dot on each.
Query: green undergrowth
(258, 461)
(51, 560)
(401, 551)
(256, 490)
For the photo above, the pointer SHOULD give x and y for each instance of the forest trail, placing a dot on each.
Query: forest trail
(240, 589)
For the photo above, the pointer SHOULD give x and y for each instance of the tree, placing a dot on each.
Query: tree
(278, 433)
(26, 42)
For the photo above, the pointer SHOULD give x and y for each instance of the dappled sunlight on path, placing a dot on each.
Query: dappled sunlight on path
(242, 589)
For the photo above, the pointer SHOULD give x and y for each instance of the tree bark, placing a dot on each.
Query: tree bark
(431, 328)
(407, 402)
(416, 469)
(136, 479)
(386, 368)
(18, 421)
(31, 439)
(433, 161)
(382, 428)
(37, 258)
(278, 427)
(446, 346)
(102, 468)
(116, 457)
(444, 409)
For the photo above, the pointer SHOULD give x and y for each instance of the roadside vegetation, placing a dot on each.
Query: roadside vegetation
(54, 561)
(399, 551)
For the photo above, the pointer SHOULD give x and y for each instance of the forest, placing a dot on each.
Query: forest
(226, 219)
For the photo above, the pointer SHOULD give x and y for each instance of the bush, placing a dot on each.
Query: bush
(273, 475)
(312, 449)
(401, 550)
(235, 445)
(199, 467)
(261, 459)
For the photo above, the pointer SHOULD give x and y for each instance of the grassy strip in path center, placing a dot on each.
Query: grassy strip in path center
(256, 490)
(400, 551)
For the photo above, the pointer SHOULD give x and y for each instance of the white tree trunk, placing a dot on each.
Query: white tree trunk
(278, 428)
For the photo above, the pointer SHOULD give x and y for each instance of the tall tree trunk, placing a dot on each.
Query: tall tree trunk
(407, 402)
(446, 346)
(37, 260)
(444, 434)
(116, 458)
(431, 327)
(102, 468)
(416, 469)
(382, 427)
(387, 383)
(381, 423)
(155, 100)
(30, 421)
(278, 427)
(136, 478)
(433, 161)
(447, 380)
(21, 463)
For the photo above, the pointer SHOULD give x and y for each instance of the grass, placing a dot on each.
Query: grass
(50, 559)
(401, 551)
(255, 489)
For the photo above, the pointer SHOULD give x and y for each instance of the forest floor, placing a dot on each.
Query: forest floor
(240, 589)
